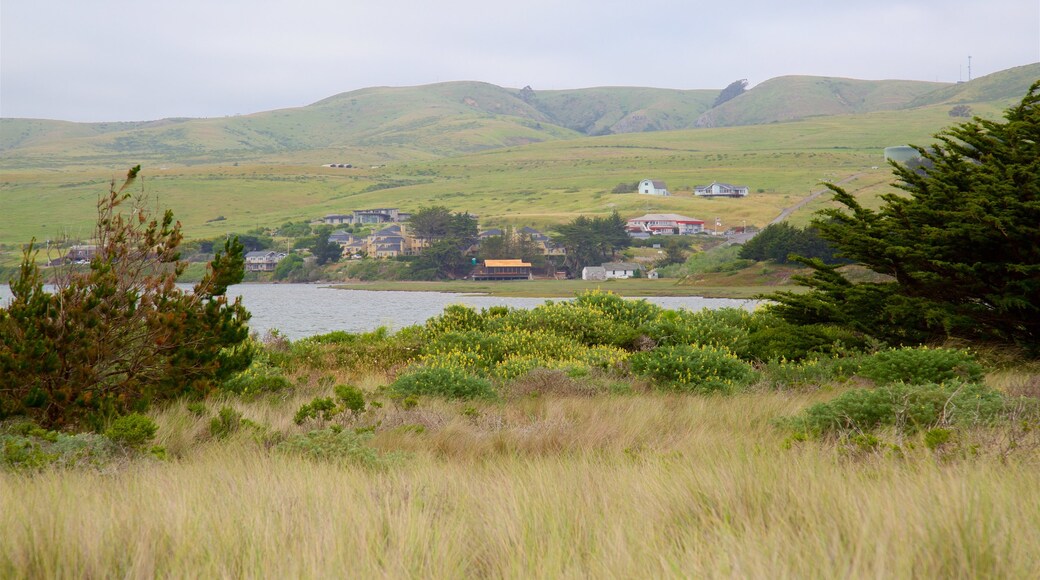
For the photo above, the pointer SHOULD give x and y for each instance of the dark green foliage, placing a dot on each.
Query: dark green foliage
(777, 242)
(920, 365)
(325, 251)
(294, 229)
(630, 312)
(120, 335)
(909, 408)
(227, 421)
(592, 241)
(960, 111)
(626, 187)
(351, 398)
(321, 408)
(450, 235)
(962, 248)
(25, 446)
(336, 445)
(133, 430)
(291, 268)
(447, 383)
(771, 337)
(697, 369)
(726, 327)
(733, 90)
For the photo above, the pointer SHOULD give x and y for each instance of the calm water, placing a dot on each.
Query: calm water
(299, 310)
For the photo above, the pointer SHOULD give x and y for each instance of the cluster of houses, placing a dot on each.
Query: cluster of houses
(393, 238)
(713, 189)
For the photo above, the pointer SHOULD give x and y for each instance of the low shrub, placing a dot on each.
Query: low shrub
(920, 365)
(694, 368)
(336, 445)
(351, 398)
(785, 374)
(442, 382)
(907, 407)
(773, 338)
(723, 327)
(133, 430)
(227, 421)
(26, 447)
(321, 408)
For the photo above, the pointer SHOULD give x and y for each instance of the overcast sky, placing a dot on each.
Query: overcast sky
(118, 60)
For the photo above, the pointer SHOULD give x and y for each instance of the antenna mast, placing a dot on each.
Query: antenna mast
(969, 68)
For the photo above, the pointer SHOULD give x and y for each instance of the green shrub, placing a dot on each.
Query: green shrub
(585, 325)
(133, 430)
(723, 327)
(320, 408)
(261, 377)
(25, 446)
(351, 398)
(334, 445)
(907, 407)
(443, 382)
(225, 423)
(787, 374)
(633, 313)
(694, 368)
(920, 365)
(773, 338)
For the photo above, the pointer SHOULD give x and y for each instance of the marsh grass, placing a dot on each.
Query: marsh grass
(642, 485)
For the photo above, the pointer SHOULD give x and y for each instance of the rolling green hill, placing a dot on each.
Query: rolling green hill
(502, 154)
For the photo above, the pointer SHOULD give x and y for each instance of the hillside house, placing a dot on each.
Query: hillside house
(620, 270)
(716, 189)
(341, 237)
(502, 270)
(335, 219)
(593, 273)
(652, 187)
(81, 253)
(263, 260)
(664, 224)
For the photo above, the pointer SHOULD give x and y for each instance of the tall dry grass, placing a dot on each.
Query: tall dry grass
(614, 487)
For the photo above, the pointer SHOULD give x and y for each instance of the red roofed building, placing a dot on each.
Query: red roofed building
(664, 224)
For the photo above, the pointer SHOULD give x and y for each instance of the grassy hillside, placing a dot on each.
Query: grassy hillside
(797, 97)
(272, 171)
(383, 125)
(1004, 87)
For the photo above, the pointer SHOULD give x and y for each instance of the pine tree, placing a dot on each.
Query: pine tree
(961, 246)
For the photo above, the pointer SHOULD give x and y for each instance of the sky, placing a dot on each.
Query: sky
(120, 60)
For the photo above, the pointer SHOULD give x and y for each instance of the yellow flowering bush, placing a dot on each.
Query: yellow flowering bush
(684, 367)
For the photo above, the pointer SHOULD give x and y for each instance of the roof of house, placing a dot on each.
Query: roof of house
(621, 266)
(666, 217)
(506, 264)
(723, 185)
(657, 184)
(491, 232)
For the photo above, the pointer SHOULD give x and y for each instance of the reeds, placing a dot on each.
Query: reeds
(610, 486)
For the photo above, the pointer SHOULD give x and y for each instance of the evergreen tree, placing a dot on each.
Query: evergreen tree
(121, 334)
(962, 246)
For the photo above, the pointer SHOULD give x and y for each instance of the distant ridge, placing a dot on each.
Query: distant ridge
(412, 123)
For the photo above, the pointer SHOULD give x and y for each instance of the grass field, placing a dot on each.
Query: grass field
(640, 485)
(535, 185)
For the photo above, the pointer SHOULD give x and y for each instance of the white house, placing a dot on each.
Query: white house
(664, 224)
(620, 270)
(653, 187)
(716, 189)
(263, 260)
(593, 273)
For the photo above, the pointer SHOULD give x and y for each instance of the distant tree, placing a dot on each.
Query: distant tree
(781, 241)
(294, 229)
(960, 111)
(326, 251)
(626, 188)
(733, 90)
(960, 245)
(121, 334)
(674, 253)
(290, 268)
(592, 241)
(431, 223)
(450, 236)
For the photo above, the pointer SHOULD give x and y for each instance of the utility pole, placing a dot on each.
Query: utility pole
(969, 68)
